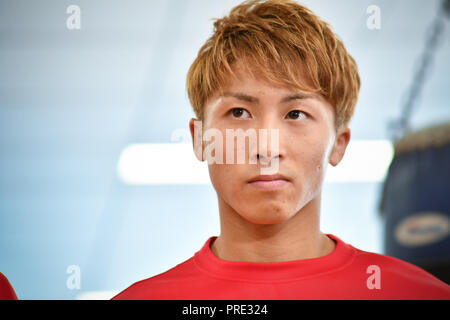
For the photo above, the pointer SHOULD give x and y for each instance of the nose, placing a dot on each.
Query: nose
(268, 145)
(265, 160)
(268, 154)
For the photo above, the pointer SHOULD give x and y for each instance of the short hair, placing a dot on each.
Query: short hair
(282, 41)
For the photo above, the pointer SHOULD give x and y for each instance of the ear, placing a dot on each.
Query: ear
(340, 144)
(195, 126)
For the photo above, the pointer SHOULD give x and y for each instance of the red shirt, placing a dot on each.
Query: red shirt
(6, 290)
(345, 273)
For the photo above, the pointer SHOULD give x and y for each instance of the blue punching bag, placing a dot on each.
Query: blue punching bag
(415, 201)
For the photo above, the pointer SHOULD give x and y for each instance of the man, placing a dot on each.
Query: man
(276, 66)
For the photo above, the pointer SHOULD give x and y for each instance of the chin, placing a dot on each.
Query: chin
(268, 217)
(267, 221)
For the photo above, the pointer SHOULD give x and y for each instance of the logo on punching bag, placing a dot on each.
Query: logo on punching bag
(423, 229)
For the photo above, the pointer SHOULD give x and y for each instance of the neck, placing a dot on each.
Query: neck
(297, 238)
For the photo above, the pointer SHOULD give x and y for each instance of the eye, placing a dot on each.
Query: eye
(296, 114)
(237, 112)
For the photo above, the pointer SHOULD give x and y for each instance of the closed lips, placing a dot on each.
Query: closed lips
(268, 178)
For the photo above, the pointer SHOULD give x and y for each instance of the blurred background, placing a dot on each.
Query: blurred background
(93, 104)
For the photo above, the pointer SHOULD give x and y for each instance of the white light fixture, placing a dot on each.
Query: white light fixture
(171, 163)
(97, 295)
(175, 164)
(364, 161)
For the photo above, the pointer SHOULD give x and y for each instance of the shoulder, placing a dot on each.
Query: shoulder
(6, 290)
(160, 285)
(398, 273)
(390, 264)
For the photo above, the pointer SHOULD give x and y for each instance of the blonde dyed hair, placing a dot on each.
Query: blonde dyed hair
(283, 42)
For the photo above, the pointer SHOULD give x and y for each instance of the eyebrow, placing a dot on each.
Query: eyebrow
(251, 99)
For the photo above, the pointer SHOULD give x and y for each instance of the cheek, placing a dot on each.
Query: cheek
(310, 163)
(318, 161)
(225, 180)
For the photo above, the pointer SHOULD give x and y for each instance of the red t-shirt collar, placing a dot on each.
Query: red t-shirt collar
(212, 265)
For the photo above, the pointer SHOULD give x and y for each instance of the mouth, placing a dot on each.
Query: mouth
(269, 182)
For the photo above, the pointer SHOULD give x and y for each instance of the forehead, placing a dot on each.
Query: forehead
(245, 77)
(253, 86)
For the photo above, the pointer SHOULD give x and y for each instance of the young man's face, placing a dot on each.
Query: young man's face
(307, 142)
